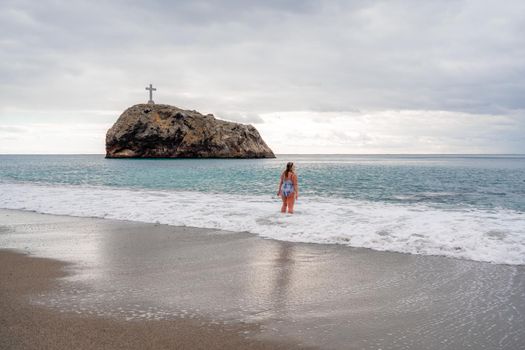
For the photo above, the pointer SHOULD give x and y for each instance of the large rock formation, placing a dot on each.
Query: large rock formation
(162, 131)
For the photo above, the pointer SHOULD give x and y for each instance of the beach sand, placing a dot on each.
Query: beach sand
(26, 326)
(114, 284)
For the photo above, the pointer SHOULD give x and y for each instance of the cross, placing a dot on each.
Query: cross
(151, 89)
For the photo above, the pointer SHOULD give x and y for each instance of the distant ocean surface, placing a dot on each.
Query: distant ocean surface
(470, 207)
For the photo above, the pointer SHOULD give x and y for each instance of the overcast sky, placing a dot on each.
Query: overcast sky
(312, 76)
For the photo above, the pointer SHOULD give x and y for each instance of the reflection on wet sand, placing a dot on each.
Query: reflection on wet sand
(284, 269)
(322, 295)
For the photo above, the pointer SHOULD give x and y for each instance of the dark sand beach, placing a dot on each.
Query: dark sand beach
(91, 283)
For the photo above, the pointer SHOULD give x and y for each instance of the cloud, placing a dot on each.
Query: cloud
(254, 58)
(245, 118)
(54, 138)
(394, 131)
(12, 129)
(263, 56)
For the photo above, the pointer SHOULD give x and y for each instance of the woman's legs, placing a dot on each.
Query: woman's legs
(283, 208)
(290, 201)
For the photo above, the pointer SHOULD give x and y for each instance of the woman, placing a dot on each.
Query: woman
(288, 188)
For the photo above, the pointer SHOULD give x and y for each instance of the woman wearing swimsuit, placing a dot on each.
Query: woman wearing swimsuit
(288, 188)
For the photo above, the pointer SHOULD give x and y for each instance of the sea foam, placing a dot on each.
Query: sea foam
(496, 236)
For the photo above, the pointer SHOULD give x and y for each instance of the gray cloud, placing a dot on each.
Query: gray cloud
(268, 55)
(248, 58)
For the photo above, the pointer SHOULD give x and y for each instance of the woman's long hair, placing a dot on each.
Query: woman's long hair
(288, 169)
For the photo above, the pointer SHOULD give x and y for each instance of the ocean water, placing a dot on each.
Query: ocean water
(470, 207)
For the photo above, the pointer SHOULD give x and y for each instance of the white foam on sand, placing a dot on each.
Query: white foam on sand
(496, 236)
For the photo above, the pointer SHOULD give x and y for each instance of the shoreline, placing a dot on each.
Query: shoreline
(212, 230)
(131, 276)
(477, 234)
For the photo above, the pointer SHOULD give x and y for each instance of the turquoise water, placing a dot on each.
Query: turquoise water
(450, 181)
(469, 207)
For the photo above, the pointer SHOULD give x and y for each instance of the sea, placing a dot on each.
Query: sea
(458, 206)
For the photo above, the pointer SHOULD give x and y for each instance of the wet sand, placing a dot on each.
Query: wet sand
(134, 285)
(26, 326)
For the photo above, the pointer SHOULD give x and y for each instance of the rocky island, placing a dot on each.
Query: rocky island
(163, 131)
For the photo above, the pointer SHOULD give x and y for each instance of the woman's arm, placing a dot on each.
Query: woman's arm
(280, 185)
(296, 186)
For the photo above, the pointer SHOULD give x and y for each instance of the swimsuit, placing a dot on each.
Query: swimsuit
(287, 188)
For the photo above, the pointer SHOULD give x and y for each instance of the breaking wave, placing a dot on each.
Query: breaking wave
(496, 236)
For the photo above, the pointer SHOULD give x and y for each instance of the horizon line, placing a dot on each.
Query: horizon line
(285, 154)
